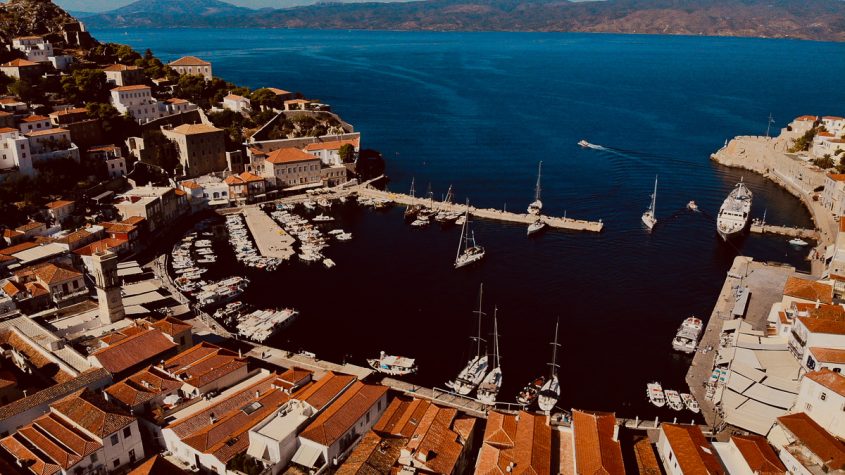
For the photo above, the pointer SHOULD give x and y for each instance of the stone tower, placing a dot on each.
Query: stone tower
(108, 287)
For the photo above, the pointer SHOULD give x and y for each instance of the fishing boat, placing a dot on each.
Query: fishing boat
(344, 236)
(735, 212)
(420, 223)
(686, 338)
(550, 392)
(798, 242)
(692, 206)
(674, 400)
(476, 368)
(536, 206)
(536, 227)
(529, 393)
(393, 365)
(648, 217)
(690, 402)
(655, 394)
(584, 144)
(467, 254)
(492, 383)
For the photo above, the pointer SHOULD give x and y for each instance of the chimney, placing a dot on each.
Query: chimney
(211, 418)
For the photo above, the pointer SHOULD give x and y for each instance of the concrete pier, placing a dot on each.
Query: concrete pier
(271, 240)
(785, 231)
(494, 214)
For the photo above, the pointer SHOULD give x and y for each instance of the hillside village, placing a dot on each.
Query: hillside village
(107, 366)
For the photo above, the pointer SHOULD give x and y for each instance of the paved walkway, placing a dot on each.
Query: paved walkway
(271, 240)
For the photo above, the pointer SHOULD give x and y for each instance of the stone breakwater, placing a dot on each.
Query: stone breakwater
(769, 157)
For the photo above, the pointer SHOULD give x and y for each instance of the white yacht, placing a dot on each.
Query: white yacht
(489, 388)
(476, 369)
(537, 205)
(584, 144)
(690, 402)
(655, 394)
(648, 217)
(468, 254)
(550, 392)
(735, 212)
(686, 338)
(393, 365)
(674, 399)
(536, 226)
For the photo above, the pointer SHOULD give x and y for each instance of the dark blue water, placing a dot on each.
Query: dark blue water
(479, 110)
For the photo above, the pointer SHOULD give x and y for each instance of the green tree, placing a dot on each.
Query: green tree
(86, 85)
(261, 118)
(117, 126)
(802, 144)
(265, 98)
(347, 153)
(824, 162)
(160, 151)
(127, 55)
(25, 90)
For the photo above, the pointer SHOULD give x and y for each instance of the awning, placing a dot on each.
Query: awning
(742, 302)
(307, 456)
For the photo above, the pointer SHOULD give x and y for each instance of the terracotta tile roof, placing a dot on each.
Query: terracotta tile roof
(179, 192)
(133, 220)
(808, 289)
(828, 355)
(75, 110)
(35, 289)
(832, 117)
(596, 451)
(647, 463)
(234, 97)
(58, 204)
(293, 379)
(133, 350)
(10, 288)
(62, 443)
(530, 448)
(74, 237)
(171, 326)
(243, 178)
(326, 390)
(35, 118)
(52, 274)
(344, 413)
(35, 355)
(101, 245)
(137, 87)
(759, 455)
(836, 177)
(373, 455)
(810, 118)
(194, 129)
(19, 63)
(277, 91)
(39, 133)
(289, 155)
(203, 364)
(191, 185)
(255, 151)
(331, 145)
(39, 464)
(120, 67)
(176, 100)
(819, 441)
(827, 312)
(829, 379)
(6, 130)
(157, 465)
(693, 452)
(189, 61)
(233, 417)
(92, 412)
(142, 387)
(435, 440)
(829, 327)
(29, 226)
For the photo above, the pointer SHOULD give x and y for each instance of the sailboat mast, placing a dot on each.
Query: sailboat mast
(654, 195)
(496, 336)
(553, 364)
(412, 187)
(463, 233)
(480, 313)
(537, 187)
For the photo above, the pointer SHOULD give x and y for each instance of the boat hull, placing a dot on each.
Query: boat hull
(549, 395)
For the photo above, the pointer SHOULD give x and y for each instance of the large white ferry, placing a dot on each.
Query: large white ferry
(735, 212)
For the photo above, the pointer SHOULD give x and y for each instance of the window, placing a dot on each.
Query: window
(116, 463)
(94, 458)
(127, 431)
(114, 439)
(131, 455)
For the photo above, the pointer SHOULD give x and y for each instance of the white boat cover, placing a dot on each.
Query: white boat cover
(307, 456)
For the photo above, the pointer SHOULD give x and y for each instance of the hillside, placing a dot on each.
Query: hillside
(34, 17)
(807, 19)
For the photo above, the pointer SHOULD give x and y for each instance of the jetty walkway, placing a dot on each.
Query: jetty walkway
(269, 237)
(794, 232)
(486, 213)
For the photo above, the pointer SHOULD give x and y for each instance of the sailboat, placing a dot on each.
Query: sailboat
(648, 217)
(412, 210)
(550, 392)
(476, 368)
(489, 388)
(467, 254)
(537, 206)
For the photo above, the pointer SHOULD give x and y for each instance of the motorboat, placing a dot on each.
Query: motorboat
(323, 219)
(584, 144)
(690, 402)
(686, 338)
(798, 242)
(420, 223)
(393, 365)
(344, 236)
(692, 206)
(530, 392)
(655, 394)
(674, 400)
(468, 250)
(649, 219)
(735, 212)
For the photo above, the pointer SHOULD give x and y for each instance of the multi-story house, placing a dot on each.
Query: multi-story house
(329, 152)
(64, 285)
(14, 152)
(34, 122)
(36, 48)
(805, 447)
(137, 101)
(236, 103)
(121, 75)
(52, 144)
(245, 187)
(159, 206)
(683, 449)
(111, 156)
(822, 397)
(202, 148)
(23, 69)
(289, 167)
(192, 65)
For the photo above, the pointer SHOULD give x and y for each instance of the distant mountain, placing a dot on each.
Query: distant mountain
(79, 15)
(172, 13)
(808, 19)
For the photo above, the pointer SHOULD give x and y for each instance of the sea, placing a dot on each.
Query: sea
(478, 112)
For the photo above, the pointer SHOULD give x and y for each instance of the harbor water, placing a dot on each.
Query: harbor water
(478, 111)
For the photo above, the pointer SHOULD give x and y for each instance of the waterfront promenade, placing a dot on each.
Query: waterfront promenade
(787, 231)
(271, 240)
